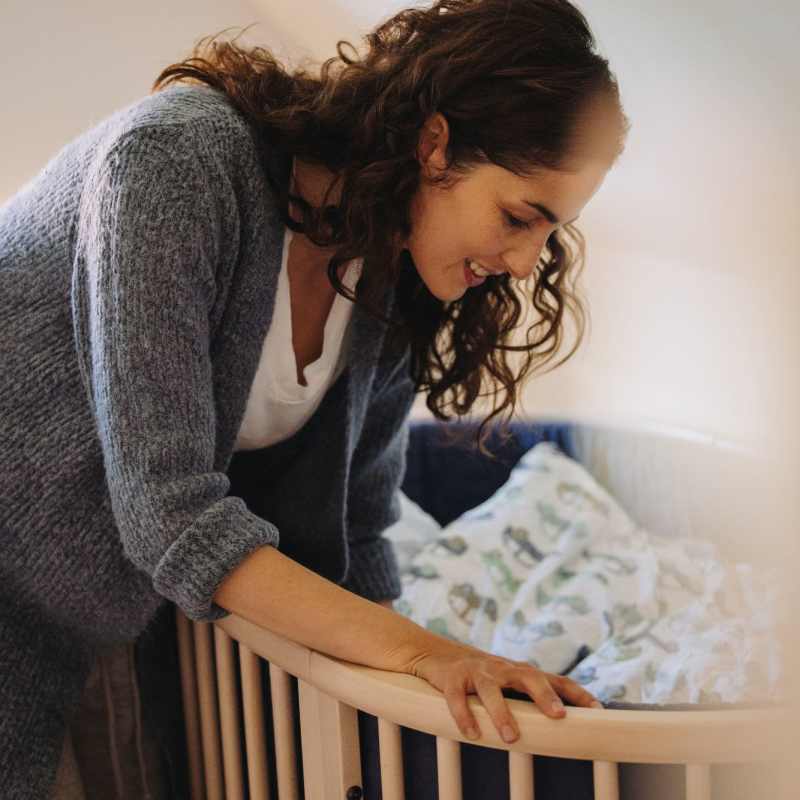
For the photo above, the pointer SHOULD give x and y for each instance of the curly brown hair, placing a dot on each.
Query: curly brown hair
(512, 78)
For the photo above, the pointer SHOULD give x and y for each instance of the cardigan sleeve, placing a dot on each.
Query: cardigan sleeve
(143, 287)
(377, 471)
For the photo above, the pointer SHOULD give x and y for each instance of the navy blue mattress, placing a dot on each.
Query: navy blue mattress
(446, 481)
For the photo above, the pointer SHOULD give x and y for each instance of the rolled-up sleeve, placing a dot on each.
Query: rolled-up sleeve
(143, 287)
(376, 475)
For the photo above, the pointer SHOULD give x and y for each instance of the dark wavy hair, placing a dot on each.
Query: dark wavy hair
(512, 78)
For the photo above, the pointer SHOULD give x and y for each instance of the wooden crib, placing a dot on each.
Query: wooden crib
(224, 665)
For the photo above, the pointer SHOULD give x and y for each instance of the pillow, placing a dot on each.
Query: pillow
(553, 572)
(474, 573)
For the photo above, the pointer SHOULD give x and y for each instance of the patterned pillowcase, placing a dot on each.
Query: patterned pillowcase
(551, 571)
(465, 580)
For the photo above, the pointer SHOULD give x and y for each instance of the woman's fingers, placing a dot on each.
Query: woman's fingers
(485, 675)
(572, 691)
(490, 695)
(547, 689)
(537, 684)
(496, 705)
(456, 697)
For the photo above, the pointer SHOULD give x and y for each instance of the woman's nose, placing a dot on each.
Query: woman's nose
(522, 261)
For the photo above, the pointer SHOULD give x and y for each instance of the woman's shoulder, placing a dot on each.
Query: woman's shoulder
(184, 141)
(186, 121)
(181, 103)
(188, 155)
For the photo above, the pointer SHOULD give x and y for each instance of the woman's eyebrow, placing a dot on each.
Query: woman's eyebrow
(548, 214)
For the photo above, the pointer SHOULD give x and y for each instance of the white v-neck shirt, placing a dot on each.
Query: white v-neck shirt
(278, 406)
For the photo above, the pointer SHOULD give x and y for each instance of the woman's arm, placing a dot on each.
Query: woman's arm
(277, 593)
(243, 590)
(149, 247)
(280, 594)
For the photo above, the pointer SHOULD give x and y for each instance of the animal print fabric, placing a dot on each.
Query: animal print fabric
(552, 571)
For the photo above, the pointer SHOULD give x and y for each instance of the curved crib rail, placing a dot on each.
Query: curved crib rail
(331, 691)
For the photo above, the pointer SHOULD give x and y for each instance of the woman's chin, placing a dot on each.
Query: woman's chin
(447, 294)
(451, 296)
(443, 289)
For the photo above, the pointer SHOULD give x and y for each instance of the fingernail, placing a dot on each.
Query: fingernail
(596, 704)
(508, 733)
(557, 706)
(472, 733)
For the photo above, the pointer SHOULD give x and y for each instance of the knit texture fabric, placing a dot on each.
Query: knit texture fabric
(138, 273)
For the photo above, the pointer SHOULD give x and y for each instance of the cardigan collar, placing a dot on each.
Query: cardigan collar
(246, 317)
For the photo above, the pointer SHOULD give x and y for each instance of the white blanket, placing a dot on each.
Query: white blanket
(551, 571)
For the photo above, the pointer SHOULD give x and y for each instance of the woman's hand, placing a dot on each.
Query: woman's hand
(466, 670)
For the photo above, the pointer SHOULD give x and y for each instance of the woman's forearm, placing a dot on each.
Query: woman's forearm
(277, 593)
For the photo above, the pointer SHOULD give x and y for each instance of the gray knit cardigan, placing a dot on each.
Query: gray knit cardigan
(138, 274)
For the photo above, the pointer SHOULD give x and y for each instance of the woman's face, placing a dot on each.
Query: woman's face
(492, 216)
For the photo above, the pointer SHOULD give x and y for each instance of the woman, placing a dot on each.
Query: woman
(193, 408)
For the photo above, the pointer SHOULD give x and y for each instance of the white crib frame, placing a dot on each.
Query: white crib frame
(331, 690)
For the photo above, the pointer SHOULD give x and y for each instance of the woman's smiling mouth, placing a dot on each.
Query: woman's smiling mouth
(471, 275)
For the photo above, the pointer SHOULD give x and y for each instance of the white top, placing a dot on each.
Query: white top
(278, 406)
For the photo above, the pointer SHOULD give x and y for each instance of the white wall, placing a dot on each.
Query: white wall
(692, 242)
(65, 66)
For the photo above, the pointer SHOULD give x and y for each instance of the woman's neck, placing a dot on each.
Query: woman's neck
(311, 181)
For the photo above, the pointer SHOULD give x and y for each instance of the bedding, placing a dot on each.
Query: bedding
(552, 571)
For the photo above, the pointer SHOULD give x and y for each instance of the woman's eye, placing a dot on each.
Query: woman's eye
(513, 222)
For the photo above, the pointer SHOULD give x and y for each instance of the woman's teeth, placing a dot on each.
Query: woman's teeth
(477, 269)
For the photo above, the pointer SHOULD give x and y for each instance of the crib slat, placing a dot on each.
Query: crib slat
(254, 733)
(283, 728)
(391, 760)
(698, 782)
(606, 780)
(209, 716)
(341, 763)
(520, 775)
(448, 765)
(229, 715)
(311, 742)
(189, 694)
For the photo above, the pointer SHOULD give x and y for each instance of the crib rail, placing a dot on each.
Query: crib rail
(330, 692)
